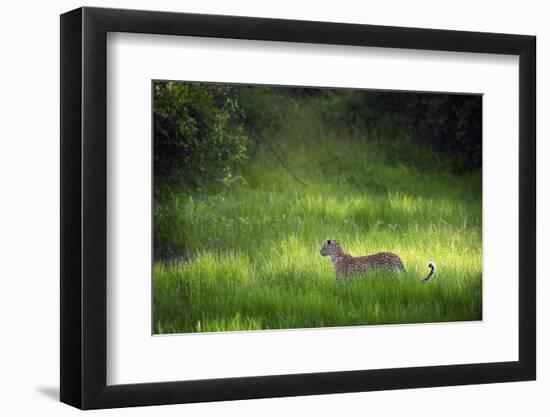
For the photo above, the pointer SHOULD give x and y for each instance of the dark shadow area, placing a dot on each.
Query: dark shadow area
(50, 392)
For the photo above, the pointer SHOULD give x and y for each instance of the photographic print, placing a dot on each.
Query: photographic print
(278, 207)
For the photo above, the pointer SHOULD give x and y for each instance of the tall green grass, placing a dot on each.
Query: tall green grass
(248, 254)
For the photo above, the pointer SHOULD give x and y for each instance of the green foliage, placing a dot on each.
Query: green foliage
(264, 108)
(447, 123)
(249, 254)
(198, 136)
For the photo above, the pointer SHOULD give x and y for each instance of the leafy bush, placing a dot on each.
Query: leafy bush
(198, 135)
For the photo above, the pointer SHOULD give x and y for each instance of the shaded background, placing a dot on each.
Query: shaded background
(192, 119)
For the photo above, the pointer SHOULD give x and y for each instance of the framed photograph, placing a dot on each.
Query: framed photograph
(257, 208)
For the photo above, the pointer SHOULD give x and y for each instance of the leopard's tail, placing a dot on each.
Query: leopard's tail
(431, 274)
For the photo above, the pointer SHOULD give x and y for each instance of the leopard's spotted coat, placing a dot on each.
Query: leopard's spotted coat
(347, 266)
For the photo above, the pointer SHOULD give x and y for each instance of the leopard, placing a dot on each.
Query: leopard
(347, 266)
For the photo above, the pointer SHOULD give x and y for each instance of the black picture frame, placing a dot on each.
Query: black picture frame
(84, 207)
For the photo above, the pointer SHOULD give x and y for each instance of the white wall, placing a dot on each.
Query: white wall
(29, 177)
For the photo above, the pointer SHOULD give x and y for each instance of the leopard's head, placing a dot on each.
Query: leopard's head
(330, 247)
